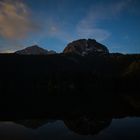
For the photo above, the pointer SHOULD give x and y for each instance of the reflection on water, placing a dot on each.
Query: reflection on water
(86, 125)
(111, 118)
(126, 128)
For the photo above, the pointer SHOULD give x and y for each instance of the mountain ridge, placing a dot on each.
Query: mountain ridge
(81, 47)
(34, 50)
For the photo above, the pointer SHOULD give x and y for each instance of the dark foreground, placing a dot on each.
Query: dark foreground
(84, 94)
(63, 82)
(63, 73)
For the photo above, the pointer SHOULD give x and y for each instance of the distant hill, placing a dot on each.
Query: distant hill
(34, 50)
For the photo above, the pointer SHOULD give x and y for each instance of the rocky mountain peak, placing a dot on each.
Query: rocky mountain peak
(86, 47)
(34, 50)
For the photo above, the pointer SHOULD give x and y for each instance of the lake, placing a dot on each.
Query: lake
(111, 117)
(116, 129)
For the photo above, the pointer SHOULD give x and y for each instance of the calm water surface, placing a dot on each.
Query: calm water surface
(117, 129)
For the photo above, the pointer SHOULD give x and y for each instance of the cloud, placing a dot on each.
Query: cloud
(9, 46)
(55, 29)
(88, 26)
(97, 33)
(15, 20)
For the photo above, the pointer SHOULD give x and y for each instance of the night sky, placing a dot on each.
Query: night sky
(52, 24)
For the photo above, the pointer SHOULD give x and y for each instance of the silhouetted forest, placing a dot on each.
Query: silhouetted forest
(54, 82)
(61, 73)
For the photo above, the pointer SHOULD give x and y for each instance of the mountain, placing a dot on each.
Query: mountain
(86, 47)
(82, 47)
(51, 52)
(34, 50)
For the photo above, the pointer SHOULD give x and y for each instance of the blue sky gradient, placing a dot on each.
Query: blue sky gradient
(52, 24)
